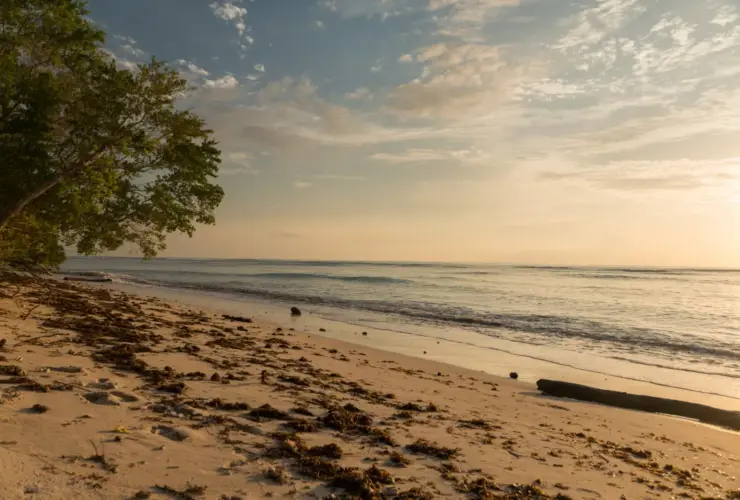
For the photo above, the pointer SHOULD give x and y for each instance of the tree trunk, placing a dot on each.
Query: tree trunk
(50, 184)
(23, 203)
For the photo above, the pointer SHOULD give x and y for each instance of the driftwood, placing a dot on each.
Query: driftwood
(702, 413)
(89, 280)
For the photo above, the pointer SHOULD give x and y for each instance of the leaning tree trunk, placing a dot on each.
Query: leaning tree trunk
(24, 202)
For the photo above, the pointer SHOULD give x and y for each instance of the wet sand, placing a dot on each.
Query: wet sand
(112, 395)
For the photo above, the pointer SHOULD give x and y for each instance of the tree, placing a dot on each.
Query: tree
(92, 155)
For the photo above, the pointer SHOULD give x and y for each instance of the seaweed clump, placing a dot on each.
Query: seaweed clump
(424, 447)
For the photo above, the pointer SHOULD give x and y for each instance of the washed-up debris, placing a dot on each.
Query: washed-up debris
(424, 447)
(38, 408)
(398, 459)
(191, 492)
(268, 412)
(277, 474)
(12, 370)
(301, 425)
(237, 319)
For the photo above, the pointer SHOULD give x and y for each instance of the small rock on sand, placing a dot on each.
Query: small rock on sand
(514, 375)
(294, 311)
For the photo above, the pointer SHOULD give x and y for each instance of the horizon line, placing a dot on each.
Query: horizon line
(426, 262)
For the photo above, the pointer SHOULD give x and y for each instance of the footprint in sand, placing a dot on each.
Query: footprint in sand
(174, 433)
(102, 384)
(112, 398)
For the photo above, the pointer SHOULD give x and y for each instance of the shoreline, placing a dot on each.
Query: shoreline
(492, 359)
(113, 395)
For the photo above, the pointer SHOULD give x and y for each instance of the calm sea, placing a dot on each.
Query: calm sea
(685, 321)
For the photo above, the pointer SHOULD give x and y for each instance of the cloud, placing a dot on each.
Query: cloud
(382, 9)
(190, 70)
(280, 140)
(725, 16)
(549, 89)
(134, 51)
(128, 45)
(465, 19)
(228, 10)
(359, 94)
(442, 101)
(225, 82)
(334, 177)
(232, 12)
(636, 176)
(406, 58)
(320, 24)
(302, 185)
(458, 79)
(259, 67)
(126, 54)
(287, 116)
(125, 39)
(237, 163)
(123, 62)
(377, 68)
(420, 155)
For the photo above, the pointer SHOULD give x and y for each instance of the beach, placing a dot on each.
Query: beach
(658, 331)
(109, 394)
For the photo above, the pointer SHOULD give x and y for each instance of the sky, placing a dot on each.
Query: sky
(528, 131)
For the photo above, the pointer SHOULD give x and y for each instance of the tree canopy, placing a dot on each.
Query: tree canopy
(92, 155)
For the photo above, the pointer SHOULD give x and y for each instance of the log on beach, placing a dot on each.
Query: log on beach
(702, 413)
(88, 280)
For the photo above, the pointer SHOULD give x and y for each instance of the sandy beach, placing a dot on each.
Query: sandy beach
(106, 394)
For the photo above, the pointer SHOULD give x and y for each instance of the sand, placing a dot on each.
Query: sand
(112, 395)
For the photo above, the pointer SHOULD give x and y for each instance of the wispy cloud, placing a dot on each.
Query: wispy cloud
(335, 177)
(233, 12)
(359, 94)
(418, 155)
(225, 82)
(191, 70)
(122, 61)
(230, 10)
(636, 176)
(238, 163)
(382, 9)
(457, 79)
(465, 19)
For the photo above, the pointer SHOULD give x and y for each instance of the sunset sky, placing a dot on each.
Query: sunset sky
(533, 131)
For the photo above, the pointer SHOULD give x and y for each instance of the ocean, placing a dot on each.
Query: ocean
(671, 327)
